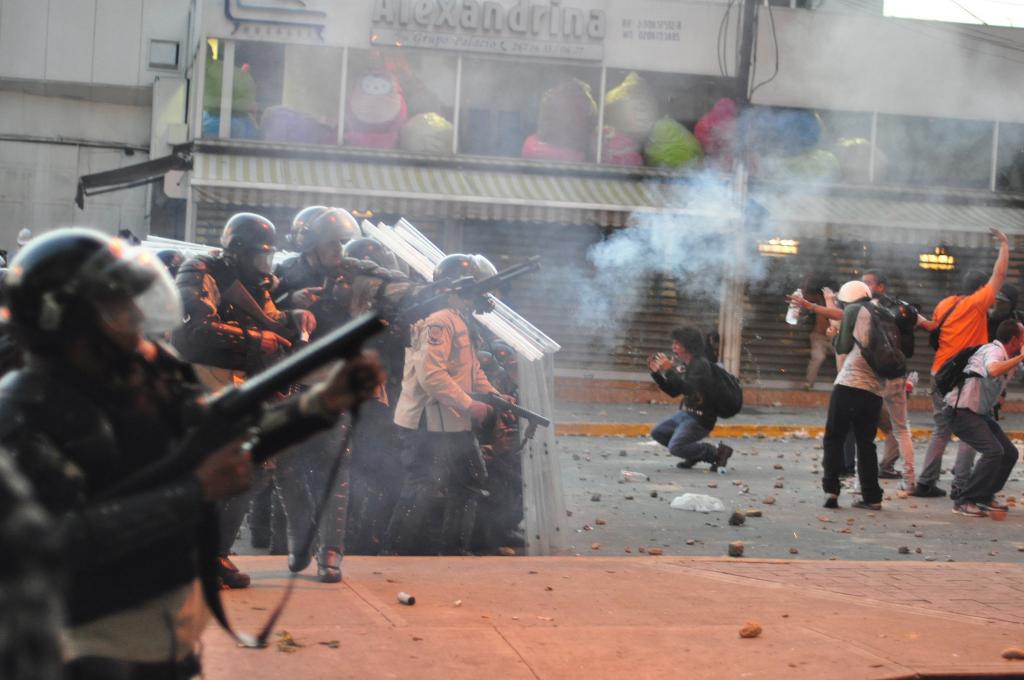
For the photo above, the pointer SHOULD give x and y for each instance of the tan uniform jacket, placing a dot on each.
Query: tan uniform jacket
(441, 371)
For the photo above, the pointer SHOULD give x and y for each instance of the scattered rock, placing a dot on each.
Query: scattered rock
(332, 644)
(918, 534)
(623, 453)
(595, 498)
(655, 551)
(628, 549)
(712, 485)
(736, 549)
(506, 551)
(587, 527)
(654, 494)
(918, 550)
(286, 643)
(628, 498)
(1014, 653)
(548, 588)
(575, 456)
(737, 518)
(768, 500)
(824, 518)
(595, 546)
(600, 522)
(690, 541)
(752, 512)
(641, 549)
(751, 630)
(904, 550)
(457, 603)
(779, 485)
(777, 466)
(794, 551)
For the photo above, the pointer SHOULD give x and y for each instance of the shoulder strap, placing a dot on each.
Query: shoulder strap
(946, 315)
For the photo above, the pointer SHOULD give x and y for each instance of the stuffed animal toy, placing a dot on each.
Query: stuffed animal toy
(376, 111)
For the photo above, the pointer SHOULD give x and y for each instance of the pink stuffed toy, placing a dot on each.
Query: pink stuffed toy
(376, 111)
(620, 149)
(535, 149)
(716, 132)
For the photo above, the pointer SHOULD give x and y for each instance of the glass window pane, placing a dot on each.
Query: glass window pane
(1010, 155)
(637, 100)
(283, 93)
(545, 111)
(400, 99)
(933, 152)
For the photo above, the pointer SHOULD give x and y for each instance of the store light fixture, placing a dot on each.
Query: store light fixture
(940, 260)
(778, 247)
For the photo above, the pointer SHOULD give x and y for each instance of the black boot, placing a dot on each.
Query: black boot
(328, 566)
(229, 575)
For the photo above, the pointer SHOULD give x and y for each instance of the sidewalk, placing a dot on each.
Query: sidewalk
(634, 420)
(637, 617)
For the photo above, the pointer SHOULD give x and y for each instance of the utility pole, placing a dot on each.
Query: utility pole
(733, 295)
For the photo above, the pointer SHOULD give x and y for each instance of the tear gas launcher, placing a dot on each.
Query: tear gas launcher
(233, 411)
(435, 295)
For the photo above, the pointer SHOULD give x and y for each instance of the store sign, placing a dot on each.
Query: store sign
(279, 14)
(521, 29)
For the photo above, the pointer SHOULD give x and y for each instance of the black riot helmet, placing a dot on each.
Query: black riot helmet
(74, 281)
(250, 241)
(373, 250)
(503, 353)
(318, 224)
(458, 266)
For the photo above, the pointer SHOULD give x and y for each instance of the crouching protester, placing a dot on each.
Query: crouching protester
(971, 405)
(856, 401)
(690, 376)
(99, 407)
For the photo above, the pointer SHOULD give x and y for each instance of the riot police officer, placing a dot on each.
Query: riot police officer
(98, 403)
(436, 411)
(311, 280)
(233, 328)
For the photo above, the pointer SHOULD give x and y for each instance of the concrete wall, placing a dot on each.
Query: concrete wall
(38, 179)
(87, 41)
(864, 63)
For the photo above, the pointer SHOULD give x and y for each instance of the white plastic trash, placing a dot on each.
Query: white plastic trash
(630, 476)
(697, 502)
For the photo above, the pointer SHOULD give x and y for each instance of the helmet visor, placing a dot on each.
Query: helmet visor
(484, 268)
(263, 262)
(131, 290)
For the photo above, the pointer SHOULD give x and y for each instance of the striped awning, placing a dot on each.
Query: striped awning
(435, 191)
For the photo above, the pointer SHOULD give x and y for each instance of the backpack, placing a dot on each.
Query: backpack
(727, 396)
(883, 352)
(952, 373)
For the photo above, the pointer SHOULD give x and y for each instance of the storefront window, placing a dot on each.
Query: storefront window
(400, 99)
(934, 152)
(1010, 158)
(282, 93)
(668, 120)
(535, 110)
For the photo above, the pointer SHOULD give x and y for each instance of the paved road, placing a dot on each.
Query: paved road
(634, 517)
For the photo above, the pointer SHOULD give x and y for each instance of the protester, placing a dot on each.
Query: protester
(690, 376)
(969, 410)
(855, 402)
(960, 321)
(821, 345)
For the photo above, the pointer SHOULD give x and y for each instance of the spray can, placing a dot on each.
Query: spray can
(793, 313)
(912, 379)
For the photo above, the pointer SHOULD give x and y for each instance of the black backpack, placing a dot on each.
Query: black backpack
(952, 373)
(727, 397)
(883, 352)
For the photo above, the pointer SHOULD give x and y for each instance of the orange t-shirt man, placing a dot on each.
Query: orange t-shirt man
(967, 325)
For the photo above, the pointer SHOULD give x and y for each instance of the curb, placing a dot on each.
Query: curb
(737, 431)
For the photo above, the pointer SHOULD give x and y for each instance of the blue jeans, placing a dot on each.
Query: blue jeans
(682, 434)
